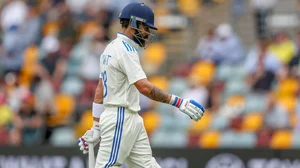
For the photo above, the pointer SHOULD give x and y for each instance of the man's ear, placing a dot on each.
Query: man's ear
(132, 29)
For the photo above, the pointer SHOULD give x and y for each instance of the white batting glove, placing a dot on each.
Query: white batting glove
(92, 136)
(190, 107)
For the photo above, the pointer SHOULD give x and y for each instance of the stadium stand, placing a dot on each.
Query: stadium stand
(49, 54)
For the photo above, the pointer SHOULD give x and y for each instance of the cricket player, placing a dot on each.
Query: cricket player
(121, 130)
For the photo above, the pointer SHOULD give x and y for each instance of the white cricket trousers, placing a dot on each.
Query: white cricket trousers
(124, 140)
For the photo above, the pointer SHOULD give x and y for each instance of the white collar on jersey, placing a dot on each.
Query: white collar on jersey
(128, 40)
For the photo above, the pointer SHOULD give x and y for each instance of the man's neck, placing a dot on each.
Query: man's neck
(127, 32)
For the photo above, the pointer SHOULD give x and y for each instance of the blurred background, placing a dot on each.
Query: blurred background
(238, 58)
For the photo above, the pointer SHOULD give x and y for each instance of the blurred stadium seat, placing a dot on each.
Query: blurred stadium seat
(169, 139)
(189, 8)
(178, 86)
(158, 138)
(154, 57)
(151, 120)
(85, 123)
(219, 122)
(164, 109)
(252, 122)
(198, 127)
(235, 87)
(160, 12)
(205, 71)
(264, 137)
(288, 102)
(255, 102)
(287, 87)
(231, 139)
(282, 139)
(236, 101)
(155, 54)
(161, 82)
(210, 139)
(293, 119)
(64, 105)
(296, 140)
(168, 122)
(226, 72)
(72, 86)
(178, 139)
(63, 137)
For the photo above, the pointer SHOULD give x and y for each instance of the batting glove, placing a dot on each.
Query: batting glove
(92, 136)
(190, 107)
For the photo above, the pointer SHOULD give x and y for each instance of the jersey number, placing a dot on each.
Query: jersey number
(104, 79)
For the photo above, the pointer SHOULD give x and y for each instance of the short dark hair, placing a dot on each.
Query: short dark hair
(124, 23)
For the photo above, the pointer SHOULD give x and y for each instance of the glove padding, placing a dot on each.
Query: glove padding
(192, 108)
(91, 136)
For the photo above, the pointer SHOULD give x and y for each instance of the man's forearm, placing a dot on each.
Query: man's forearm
(151, 91)
(96, 119)
(159, 95)
(99, 93)
(98, 101)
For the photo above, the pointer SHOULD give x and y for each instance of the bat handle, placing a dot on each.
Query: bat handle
(91, 156)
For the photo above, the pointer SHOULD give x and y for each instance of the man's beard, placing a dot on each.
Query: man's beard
(138, 38)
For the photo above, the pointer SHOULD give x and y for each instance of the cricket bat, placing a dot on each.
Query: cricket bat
(91, 156)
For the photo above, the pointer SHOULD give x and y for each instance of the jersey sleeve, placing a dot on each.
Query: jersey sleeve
(100, 66)
(131, 66)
